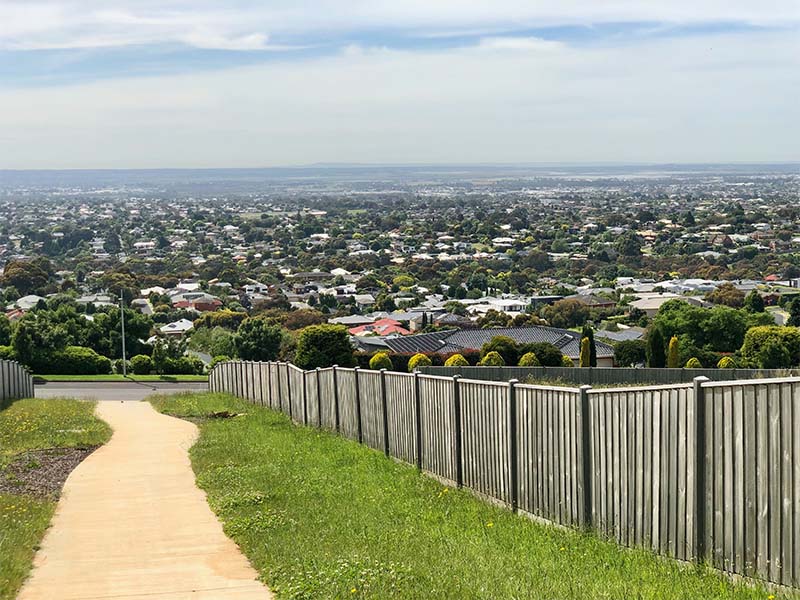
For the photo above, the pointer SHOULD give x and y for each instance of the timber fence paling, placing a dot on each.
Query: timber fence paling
(705, 471)
(15, 382)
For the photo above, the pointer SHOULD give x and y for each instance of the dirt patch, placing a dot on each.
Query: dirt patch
(42, 473)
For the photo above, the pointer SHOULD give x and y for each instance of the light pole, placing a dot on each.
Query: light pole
(122, 322)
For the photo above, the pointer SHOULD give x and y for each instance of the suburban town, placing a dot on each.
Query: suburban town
(486, 300)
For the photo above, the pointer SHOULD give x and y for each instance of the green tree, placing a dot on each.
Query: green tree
(674, 353)
(656, 357)
(726, 362)
(772, 347)
(728, 295)
(566, 313)
(548, 354)
(693, 363)
(256, 339)
(794, 312)
(754, 302)
(504, 346)
(629, 244)
(5, 330)
(630, 352)
(324, 346)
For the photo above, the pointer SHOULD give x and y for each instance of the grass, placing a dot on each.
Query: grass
(32, 425)
(168, 378)
(323, 517)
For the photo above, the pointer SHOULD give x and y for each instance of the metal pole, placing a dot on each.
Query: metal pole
(122, 322)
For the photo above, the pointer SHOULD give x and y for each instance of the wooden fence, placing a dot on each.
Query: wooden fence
(704, 471)
(606, 375)
(15, 382)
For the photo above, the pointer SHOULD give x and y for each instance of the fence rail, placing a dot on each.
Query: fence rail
(606, 375)
(704, 471)
(15, 382)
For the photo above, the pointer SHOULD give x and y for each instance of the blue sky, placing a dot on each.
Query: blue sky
(94, 83)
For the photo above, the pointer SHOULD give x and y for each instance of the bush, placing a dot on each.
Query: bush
(772, 346)
(381, 361)
(630, 352)
(257, 339)
(120, 367)
(324, 346)
(218, 359)
(141, 364)
(566, 361)
(548, 354)
(185, 365)
(418, 360)
(492, 359)
(693, 363)
(457, 360)
(7, 353)
(73, 360)
(504, 346)
(529, 360)
(726, 362)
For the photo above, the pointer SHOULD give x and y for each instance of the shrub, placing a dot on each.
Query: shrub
(504, 346)
(381, 361)
(73, 360)
(673, 353)
(218, 359)
(7, 353)
(630, 352)
(566, 361)
(529, 360)
(121, 366)
(418, 360)
(141, 365)
(586, 353)
(693, 363)
(324, 346)
(726, 362)
(257, 339)
(548, 354)
(457, 360)
(492, 359)
(772, 346)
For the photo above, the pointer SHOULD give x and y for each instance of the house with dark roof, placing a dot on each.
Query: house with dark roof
(459, 340)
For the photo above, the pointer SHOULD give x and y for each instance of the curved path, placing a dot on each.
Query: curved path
(131, 523)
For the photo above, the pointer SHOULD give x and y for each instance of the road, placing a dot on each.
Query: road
(114, 390)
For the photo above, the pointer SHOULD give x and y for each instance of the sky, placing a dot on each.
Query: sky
(241, 83)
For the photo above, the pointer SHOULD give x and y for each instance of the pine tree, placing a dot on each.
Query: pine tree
(588, 333)
(656, 357)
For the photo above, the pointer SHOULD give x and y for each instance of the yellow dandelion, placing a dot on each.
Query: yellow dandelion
(490, 524)
(353, 591)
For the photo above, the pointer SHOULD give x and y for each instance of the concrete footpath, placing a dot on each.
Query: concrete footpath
(132, 524)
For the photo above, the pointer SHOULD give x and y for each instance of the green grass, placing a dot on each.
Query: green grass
(169, 378)
(32, 425)
(323, 517)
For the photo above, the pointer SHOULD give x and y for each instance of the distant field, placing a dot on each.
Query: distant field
(323, 517)
(167, 378)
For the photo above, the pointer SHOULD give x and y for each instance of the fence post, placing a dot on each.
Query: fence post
(289, 389)
(384, 413)
(584, 415)
(358, 404)
(305, 399)
(457, 431)
(418, 419)
(700, 467)
(335, 399)
(261, 383)
(513, 451)
(319, 401)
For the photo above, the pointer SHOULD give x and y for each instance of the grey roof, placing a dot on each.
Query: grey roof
(445, 342)
(634, 333)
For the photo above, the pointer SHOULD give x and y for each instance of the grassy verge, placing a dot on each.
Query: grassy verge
(32, 425)
(322, 517)
(167, 378)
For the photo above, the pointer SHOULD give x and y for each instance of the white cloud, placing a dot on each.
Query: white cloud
(246, 23)
(717, 98)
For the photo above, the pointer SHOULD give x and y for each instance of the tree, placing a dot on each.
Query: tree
(494, 318)
(629, 244)
(586, 353)
(492, 359)
(656, 357)
(380, 361)
(566, 313)
(794, 312)
(258, 340)
(457, 360)
(630, 352)
(28, 277)
(727, 294)
(141, 364)
(754, 302)
(324, 346)
(529, 359)
(5, 330)
(300, 319)
(588, 333)
(504, 346)
(674, 353)
(772, 347)
(548, 354)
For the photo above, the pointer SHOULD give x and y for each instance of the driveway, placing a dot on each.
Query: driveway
(126, 390)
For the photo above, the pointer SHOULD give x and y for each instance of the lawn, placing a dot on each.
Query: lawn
(29, 425)
(167, 378)
(323, 517)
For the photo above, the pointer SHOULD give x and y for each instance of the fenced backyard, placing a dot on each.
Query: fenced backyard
(700, 471)
(15, 382)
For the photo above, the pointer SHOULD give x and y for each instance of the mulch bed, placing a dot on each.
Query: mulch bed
(42, 473)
